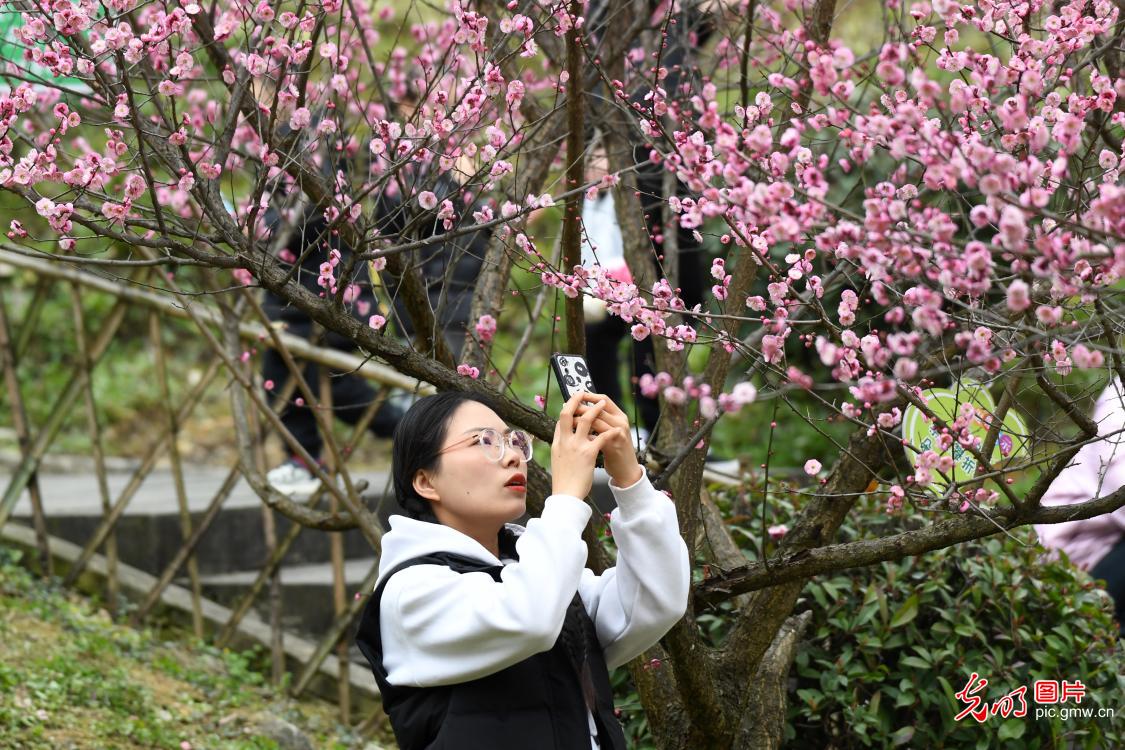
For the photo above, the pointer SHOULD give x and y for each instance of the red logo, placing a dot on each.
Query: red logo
(1014, 703)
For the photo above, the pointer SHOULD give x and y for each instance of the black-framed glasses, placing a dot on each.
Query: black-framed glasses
(494, 444)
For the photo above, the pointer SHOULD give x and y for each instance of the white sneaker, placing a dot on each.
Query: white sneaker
(726, 466)
(291, 478)
(640, 438)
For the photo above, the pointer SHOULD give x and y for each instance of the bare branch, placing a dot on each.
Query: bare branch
(803, 564)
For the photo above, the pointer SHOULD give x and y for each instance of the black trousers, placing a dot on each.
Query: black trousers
(1111, 568)
(351, 394)
(603, 338)
(603, 344)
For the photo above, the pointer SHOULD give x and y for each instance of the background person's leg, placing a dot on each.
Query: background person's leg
(453, 323)
(603, 339)
(298, 420)
(292, 476)
(352, 394)
(644, 359)
(1111, 569)
(693, 275)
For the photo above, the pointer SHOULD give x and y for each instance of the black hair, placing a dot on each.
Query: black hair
(418, 437)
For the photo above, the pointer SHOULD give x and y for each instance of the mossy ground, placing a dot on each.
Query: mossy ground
(70, 677)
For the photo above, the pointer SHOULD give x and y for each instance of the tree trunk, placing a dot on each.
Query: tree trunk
(763, 716)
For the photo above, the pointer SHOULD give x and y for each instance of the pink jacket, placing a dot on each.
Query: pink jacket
(1097, 470)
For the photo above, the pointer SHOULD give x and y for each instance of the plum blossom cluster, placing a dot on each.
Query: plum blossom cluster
(941, 457)
(896, 496)
(1016, 126)
(649, 315)
(327, 278)
(663, 384)
(988, 239)
(485, 327)
(456, 93)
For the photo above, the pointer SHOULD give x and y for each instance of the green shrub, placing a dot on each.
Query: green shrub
(891, 646)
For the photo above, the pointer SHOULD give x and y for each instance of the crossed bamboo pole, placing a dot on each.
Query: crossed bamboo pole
(89, 355)
(148, 463)
(112, 588)
(23, 434)
(38, 447)
(155, 334)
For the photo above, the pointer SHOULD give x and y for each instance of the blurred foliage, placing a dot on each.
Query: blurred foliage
(126, 390)
(889, 649)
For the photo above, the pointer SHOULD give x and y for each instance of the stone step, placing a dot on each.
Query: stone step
(307, 606)
(78, 494)
(149, 532)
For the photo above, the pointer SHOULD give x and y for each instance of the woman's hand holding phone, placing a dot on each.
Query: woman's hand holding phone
(574, 450)
(620, 457)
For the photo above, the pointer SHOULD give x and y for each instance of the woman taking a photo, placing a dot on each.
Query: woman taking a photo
(484, 634)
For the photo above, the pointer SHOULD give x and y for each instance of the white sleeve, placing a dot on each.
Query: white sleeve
(1096, 470)
(441, 627)
(636, 602)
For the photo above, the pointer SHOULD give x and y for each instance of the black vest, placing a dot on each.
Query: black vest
(535, 704)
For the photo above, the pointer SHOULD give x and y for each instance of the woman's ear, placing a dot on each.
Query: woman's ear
(424, 487)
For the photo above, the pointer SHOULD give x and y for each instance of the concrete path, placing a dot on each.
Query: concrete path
(78, 494)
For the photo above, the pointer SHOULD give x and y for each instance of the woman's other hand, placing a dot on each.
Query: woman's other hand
(620, 457)
(574, 450)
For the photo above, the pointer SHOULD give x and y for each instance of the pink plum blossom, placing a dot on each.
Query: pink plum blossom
(486, 327)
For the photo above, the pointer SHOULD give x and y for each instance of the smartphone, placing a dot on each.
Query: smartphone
(573, 375)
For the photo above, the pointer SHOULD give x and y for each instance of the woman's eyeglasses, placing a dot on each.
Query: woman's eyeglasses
(494, 444)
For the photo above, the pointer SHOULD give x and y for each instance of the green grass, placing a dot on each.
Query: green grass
(72, 678)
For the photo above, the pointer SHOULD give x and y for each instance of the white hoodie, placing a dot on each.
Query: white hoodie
(441, 628)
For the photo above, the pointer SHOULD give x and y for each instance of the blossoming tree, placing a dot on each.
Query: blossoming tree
(942, 210)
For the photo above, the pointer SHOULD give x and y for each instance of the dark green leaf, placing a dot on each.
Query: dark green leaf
(1012, 729)
(907, 612)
